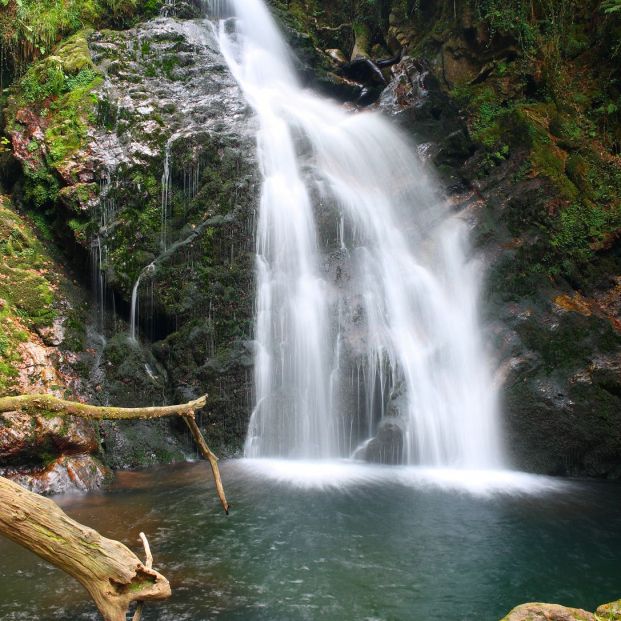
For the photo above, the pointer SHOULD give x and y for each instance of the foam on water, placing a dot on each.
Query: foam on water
(347, 474)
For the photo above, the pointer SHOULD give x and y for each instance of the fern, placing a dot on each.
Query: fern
(611, 6)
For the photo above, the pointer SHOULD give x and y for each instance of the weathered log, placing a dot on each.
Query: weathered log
(112, 574)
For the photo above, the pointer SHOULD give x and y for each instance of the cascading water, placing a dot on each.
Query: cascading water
(366, 307)
(133, 315)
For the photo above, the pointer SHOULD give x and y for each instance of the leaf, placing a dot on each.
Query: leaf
(611, 6)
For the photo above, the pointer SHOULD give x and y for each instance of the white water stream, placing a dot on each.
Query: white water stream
(367, 298)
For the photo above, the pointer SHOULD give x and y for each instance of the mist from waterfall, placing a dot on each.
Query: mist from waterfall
(367, 296)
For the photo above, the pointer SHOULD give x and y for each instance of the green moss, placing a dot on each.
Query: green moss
(30, 28)
(549, 161)
(23, 283)
(68, 129)
(41, 186)
(570, 343)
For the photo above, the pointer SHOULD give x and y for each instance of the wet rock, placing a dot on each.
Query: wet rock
(40, 340)
(37, 371)
(66, 474)
(138, 444)
(53, 335)
(25, 438)
(387, 445)
(168, 102)
(364, 71)
(419, 104)
(548, 612)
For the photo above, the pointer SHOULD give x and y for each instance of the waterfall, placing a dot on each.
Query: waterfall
(133, 317)
(166, 193)
(367, 296)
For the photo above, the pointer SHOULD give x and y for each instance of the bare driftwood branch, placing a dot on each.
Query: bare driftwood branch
(149, 564)
(49, 403)
(338, 28)
(112, 574)
(208, 455)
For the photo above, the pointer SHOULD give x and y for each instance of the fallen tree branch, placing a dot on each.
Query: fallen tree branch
(108, 570)
(112, 574)
(208, 455)
(338, 28)
(49, 403)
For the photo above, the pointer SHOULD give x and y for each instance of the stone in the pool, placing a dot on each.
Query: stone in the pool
(548, 612)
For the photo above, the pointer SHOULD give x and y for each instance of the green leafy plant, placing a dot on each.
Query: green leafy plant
(611, 6)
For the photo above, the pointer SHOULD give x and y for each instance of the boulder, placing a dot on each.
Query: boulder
(66, 474)
(24, 437)
(387, 445)
(609, 612)
(548, 612)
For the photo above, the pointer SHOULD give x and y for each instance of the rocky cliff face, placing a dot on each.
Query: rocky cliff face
(138, 146)
(136, 151)
(40, 350)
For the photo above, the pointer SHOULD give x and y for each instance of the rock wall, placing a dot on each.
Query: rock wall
(40, 351)
(138, 151)
(136, 157)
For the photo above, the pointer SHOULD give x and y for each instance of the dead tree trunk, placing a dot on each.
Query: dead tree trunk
(48, 403)
(112, 574)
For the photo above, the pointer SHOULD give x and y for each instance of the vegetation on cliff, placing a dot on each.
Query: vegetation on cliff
(30, 29)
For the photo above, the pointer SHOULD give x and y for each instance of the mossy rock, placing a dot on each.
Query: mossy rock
(609, 612)
(548, 612)
(578, 172)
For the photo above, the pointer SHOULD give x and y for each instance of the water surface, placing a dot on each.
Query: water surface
(342, 541)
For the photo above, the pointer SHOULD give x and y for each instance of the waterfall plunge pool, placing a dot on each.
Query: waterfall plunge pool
(342, 541)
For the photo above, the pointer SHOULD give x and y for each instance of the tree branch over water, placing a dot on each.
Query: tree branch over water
(110, 572)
